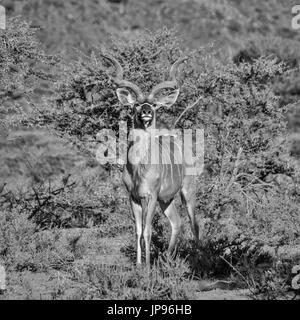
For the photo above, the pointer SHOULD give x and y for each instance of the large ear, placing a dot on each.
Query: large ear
(167, 101)
(126, 97)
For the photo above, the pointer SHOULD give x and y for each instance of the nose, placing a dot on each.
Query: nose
(146, 112)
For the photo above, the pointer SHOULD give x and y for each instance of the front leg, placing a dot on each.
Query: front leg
(138, 217)
(148, 205)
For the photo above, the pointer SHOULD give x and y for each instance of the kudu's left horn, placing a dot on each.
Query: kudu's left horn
(172, 83)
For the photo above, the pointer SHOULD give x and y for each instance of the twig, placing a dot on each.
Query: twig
(186, 109)
(237, 162)
(235, 169)
(238, 272)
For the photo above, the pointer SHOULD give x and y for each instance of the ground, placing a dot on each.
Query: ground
(58, 284)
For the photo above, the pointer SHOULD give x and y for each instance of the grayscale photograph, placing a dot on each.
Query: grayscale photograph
(149, 153)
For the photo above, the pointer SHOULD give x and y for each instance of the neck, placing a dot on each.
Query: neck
(139, 145)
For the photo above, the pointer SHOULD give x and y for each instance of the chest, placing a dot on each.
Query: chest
(153, 165)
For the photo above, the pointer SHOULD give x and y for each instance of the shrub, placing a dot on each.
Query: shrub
(20, 65)
(166, 280)
(22, 248)
(66, 201)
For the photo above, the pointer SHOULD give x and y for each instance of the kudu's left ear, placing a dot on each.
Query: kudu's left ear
(167, 101)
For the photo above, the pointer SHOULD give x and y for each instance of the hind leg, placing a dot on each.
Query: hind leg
(170, 211)
(188, 196)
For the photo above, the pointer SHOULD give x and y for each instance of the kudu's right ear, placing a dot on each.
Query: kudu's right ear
(126, 97)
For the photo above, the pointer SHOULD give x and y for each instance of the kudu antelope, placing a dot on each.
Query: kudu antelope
(148, 182)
